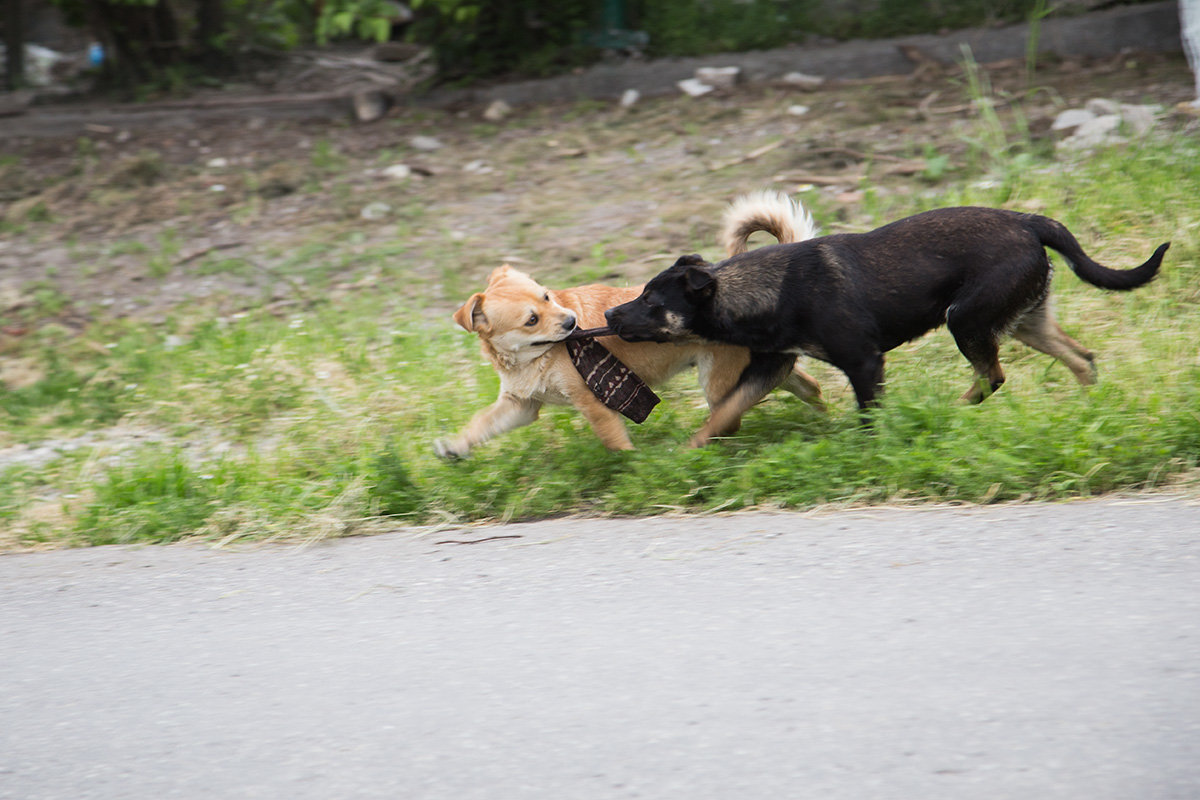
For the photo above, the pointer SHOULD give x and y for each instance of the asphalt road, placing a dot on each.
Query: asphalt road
(1044, 651)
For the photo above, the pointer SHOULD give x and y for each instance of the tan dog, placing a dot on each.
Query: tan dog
(521, 326)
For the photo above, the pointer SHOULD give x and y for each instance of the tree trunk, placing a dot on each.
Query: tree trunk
(14, 41)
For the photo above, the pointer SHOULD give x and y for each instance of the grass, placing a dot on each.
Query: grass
(317, 420)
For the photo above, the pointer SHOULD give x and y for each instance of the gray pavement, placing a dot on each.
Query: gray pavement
(1036, 651)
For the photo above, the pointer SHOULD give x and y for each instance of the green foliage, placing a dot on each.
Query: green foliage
(904, 17)
(688, 29)
(159, 498)
(309, 422)
(477, 40)
(363, 19)
(394, 491)
(152, 42)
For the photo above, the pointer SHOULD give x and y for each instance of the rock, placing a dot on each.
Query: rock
(397, 171)
(370, 105)
(1101, 107)
(1139, 119)
(477, 167)
(629, 97)
(797, 111)
(719, 77)
(280, 179)
(693, 87)
(1103, 122)
(497, 111)
(802, 80)
(1093, 133)
(375, 211)
(217, 163)
(396, 51)
(1071, 118)
(426, 143)
(13, 103)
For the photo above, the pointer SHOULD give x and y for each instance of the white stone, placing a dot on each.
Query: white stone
(1093, 133)
(629, 97)
(797, 111)
(802, 80)
(426, 143)
(1102, 107)
(694, 88)
(1139, 119)
(1071, 118)
(397, 171)
(719, 77)
(375, 211)
(497, 111)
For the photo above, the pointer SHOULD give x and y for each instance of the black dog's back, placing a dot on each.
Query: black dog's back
(907, 277)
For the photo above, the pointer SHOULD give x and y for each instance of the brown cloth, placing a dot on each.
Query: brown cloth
(613, 383)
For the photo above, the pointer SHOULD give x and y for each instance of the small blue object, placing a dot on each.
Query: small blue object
(95, 54)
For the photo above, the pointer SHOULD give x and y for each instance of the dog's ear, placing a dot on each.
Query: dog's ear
(499, 272)
(694, 260)
(699, 282)
(471, 317)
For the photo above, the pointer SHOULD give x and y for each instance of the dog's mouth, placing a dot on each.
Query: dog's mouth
(631, 334)
(579, 333)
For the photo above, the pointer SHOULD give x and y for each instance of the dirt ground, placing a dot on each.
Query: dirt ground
(210, 210)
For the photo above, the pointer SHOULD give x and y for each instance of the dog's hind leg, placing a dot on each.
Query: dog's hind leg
(1041, 331)
(804, 386)
(764, 372)
(979, 342)
(719, 374)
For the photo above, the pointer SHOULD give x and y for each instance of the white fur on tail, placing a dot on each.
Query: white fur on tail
(769, 211)
(1189, 32)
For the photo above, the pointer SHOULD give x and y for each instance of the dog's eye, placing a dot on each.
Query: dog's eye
(533, 320)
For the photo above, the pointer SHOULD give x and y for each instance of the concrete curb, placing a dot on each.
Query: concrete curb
(1151, 27)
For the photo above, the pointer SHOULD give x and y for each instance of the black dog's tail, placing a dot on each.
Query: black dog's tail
(1055, 235)
(769, 211)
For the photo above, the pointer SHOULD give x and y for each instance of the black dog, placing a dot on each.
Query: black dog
(849, 298)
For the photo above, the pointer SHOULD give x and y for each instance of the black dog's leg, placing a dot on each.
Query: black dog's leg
(866, 377)
(764, 372)
(978, 340)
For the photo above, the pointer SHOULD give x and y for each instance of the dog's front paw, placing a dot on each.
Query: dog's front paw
(444, 448)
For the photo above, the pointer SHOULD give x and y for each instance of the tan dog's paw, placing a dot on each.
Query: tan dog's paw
(444, 448)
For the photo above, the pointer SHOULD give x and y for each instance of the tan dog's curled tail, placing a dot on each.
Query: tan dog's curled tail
(769, 211)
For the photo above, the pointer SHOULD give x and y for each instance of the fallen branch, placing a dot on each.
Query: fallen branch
(753, 154)
(477, 541)
(203, 251)
(819, 180)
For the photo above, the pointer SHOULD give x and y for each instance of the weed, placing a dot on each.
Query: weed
(326, 158)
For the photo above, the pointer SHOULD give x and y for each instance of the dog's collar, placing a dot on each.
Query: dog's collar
(614, 384)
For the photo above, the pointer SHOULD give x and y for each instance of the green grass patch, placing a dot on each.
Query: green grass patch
(319, 418)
